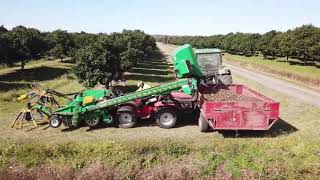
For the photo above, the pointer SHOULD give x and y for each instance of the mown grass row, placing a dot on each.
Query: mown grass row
(308, 75)
(56, 75)
(277, 159)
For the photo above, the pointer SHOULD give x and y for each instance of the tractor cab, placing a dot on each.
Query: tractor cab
(210, 61)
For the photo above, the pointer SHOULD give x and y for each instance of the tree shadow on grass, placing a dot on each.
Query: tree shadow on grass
(154, 66)
(42, 73)
(7, 86)
(154, 62)
(281, 127)
(149, 78)
(152, 69)
(149, 71)
(308, 63)
(161, 65)
(125, 89)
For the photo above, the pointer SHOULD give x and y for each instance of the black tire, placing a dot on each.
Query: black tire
(202, 123)
(117, 92)
(126, 117)
(113, 118)
(92, 120)
(54, 122)
(166, 118)
(66, 121)
(225, 79)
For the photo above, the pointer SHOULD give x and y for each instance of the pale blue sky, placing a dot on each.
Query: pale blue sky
(197, 17)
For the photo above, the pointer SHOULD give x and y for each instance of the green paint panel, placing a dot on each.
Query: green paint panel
(185, 62)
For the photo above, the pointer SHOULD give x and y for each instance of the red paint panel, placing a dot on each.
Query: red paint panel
(239, 115)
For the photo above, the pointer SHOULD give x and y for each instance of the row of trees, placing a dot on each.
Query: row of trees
(110, 56)
(302, 42)
(100, 58)
(22, 44)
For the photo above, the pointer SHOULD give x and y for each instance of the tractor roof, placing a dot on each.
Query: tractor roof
(207, 51)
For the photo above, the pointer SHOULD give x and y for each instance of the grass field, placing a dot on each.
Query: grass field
(294, 70)
(290, 150)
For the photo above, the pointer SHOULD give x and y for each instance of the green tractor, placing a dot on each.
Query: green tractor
(210, 61)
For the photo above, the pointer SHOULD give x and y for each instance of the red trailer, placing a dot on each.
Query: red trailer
(248, 110)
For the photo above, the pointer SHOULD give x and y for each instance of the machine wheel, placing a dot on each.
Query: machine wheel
(225, 79)
(55, 122)
(117, 92)
(166, 118)
(202, 123)
(92, 120)
(66, 121)
(126, 117)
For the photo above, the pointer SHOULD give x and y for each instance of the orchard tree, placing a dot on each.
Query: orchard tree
(27, 43)
(61, 43)
(110, 56)
(5, 48)
(94, 64)
(83, 39)
(267, 44)
(285, 41)
(306, 43)
(3, 29)
(99, 63)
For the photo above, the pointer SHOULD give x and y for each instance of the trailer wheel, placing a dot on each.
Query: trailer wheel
(166, 118)
(126, 117)
(54, 122)
(202, 123)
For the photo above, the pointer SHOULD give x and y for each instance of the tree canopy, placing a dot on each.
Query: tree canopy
(110, 56)
(302, 42)
(100, 58)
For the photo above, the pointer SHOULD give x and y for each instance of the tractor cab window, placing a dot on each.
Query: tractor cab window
(209, 61)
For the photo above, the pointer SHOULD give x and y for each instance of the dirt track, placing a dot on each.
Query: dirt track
(302, 94)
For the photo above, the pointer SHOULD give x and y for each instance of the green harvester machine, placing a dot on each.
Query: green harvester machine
(90, 106)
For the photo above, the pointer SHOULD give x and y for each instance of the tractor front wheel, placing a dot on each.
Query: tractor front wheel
(166, 118)
(55, 122)
(126, 117)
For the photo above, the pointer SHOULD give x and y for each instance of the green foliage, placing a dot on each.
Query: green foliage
(111, 56)
(301, 42)
(20, 44)
(61, 43)
(101, 58)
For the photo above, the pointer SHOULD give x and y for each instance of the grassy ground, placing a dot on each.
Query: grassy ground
(289, 150)
(294, 70)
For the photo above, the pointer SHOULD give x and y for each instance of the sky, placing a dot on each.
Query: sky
(172, 17)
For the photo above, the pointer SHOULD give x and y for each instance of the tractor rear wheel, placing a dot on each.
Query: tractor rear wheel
(166, 118)
(54, 121)
(202, 123)
(126, 117)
